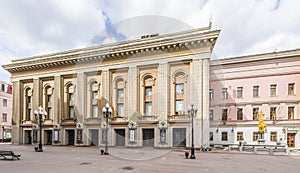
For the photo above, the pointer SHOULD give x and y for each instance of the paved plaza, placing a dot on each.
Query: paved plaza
(146, 160)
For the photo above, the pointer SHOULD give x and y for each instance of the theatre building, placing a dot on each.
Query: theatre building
(149, 83)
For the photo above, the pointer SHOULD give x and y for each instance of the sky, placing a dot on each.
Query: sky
(34, 27)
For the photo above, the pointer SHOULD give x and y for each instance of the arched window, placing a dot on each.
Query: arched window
(119, 103)
(69, 100)
(93, 98)
(179, 91)
(48, 101)
(148, 81)
(27, 103)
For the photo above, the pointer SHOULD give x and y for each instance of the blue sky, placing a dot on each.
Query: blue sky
(34, 27)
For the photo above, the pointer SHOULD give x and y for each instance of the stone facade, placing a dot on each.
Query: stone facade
(149, 84)
(242, 86)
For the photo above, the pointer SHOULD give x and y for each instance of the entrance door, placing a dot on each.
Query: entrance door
(48, 137)
(148, 137)
(94, 137)
(27, 137)
(291, 140)
(179, 137)
(70, 137)
(120, 137)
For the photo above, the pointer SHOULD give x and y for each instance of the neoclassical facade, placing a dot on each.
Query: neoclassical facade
(149, 83)
(241, 87)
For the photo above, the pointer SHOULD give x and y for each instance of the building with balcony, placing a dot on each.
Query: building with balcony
(240, 87)
(149, 83)
(5, 111)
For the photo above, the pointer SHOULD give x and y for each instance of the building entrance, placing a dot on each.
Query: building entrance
(48, 137)
(120, 137)
(70, 135)
(291, 140)
(179, 137)
(94, 137)
(27, 137)
(148, 137)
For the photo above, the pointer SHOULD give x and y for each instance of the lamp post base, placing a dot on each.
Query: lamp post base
(192, 157)
(40, 149)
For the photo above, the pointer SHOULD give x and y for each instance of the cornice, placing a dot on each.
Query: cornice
(186, 40)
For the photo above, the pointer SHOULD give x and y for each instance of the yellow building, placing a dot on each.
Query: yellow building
(149, 83)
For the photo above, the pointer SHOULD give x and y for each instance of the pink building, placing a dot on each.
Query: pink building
(240, 87)
(5, 111)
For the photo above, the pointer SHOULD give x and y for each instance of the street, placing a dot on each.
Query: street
(147, 160)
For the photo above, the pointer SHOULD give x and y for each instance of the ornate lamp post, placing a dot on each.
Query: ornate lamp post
(107, 112)
(39, 112)
(192, 112)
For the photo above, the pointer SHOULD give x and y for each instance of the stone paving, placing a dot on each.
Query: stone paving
(146, 160)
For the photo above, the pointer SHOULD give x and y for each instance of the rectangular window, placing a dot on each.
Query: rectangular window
(120, 93)
(94, 95)
(239, 114)
(211, 136)
(273, 90)
(273, 113)
(5, 102)
(29, 99)
(224, 136)
(224, 114)
(255, 91)
(291, 89)
(179, 88)
(28, 114)
(49, 113)
(148, 108)
(71, 112)
(211, 115)
(120, 109)
(94, 111)
(255, 136)
(224, 93)
(291, 113)
(71, 96)
(179, 107)
(255, 113)
(4, 117)
(273, 136)
(49, 98)
(211, 94)
(240, 136)
(148, 91)
(239, 93)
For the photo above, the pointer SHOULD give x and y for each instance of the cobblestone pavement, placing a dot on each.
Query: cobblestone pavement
(145, 160)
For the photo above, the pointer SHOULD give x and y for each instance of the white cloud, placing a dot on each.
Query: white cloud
(31, 27)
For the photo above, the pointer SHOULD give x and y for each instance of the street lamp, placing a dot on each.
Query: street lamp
(2, 132)
(39, 112)
(192, 112)
(107, 112)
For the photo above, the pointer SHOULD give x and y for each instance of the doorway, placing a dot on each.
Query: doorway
(120, 137)
(27, 137)
(148, 137)
(179, 137)
(48, 137)
(70, 135)
(291, 140)
(94, 137)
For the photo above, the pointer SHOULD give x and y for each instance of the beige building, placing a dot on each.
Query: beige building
(149, 83)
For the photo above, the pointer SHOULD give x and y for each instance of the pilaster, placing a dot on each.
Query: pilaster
(163, 94)
(16, 114)
(80, 96)
(57, 109)
(132, 91)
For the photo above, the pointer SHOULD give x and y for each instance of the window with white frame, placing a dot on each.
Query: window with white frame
(272, 113)
(224, 93)
(255, 113)
(273, 136)
(291, 112)
(239, 92)
(5, 102)
(211, 114)
(239, 114)
(120, 95)
(211, 94)
(255, 91)
(291, 89)
(94, 111)
(273, 90)
(224, 114)
(224, 136)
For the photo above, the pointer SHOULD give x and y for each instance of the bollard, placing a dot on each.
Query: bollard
(186, 155)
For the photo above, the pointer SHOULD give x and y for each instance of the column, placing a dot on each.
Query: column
(205, 102)
(80, 96)
(163, 94)
(132, 92)
(58, 102)
(16, 114)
